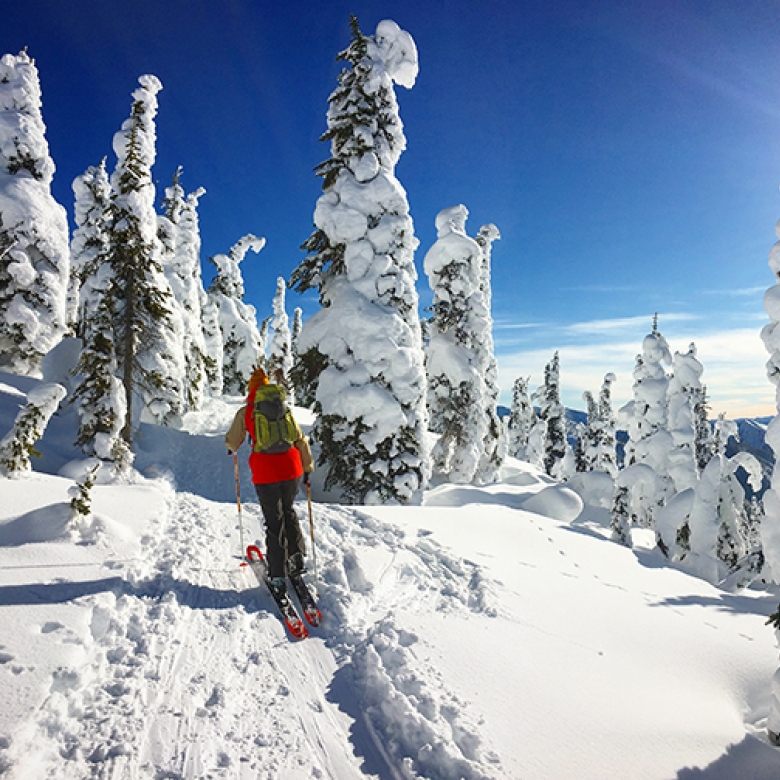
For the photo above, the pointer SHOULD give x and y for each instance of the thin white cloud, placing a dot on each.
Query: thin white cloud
(602, 288)
(624, 324)
(739, 292)
(509, 325)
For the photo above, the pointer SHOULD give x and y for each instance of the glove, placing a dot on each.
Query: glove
(305, 477)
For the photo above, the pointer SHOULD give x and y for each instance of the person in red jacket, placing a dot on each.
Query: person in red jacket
(276, 477)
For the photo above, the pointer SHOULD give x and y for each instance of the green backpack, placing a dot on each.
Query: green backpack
(275, 428)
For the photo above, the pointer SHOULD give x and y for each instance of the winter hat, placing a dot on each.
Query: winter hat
(259, 377)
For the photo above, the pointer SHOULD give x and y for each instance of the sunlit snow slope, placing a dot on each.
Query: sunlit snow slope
(491, 633)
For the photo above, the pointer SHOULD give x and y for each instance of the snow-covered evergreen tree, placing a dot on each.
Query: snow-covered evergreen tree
(521, 419)
(455, 362)
(703, 443)
(215, 346)
(149, 352)
(242, 347)
(90, 245)
(495, 445)
(770, 526)
(18, 445)
(718, 514)
(181, 265)
(553, 415)
(363, 349)
(99, 393)
(646, 419)
(598, 437)
(34, 257)
(297, 326)
(684, 392)
(280, 358)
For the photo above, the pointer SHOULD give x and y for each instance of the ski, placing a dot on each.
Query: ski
(290, 616)
(308, 604)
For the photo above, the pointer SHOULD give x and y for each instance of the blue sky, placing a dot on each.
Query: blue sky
(628, 152)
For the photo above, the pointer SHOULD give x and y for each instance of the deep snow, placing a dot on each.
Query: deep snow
(490, 633)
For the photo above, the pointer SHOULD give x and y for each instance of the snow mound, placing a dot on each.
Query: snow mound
(46, 524)
(555, 501)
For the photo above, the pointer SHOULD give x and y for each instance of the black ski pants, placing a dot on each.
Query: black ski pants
(283, 536)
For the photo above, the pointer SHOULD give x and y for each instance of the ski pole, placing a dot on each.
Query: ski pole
(313, 544)
(238, 501)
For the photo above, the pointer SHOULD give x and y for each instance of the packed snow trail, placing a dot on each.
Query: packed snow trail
(186, 671)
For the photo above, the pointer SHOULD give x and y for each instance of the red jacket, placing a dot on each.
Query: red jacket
(270, 467)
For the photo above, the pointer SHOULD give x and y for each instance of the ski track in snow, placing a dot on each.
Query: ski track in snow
(186, 671)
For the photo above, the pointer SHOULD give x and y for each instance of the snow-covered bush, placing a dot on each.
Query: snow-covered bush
(34, 256)
(363, 350)
(18, 445)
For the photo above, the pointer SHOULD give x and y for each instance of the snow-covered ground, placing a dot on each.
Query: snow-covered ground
(491, 633)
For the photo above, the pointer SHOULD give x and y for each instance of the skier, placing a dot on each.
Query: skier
(276, 475)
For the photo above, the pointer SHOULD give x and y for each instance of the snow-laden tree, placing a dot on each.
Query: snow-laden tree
(598, 436)
(363, 349)
(18, 445)
(297, 326)
(703, 443)
(179, 229)
(242, 350)
(34, 256)
(147, 322)
(280, 358)
(520, 420)
(90, 245)
(646, 419)
(718, 513)
(454, 360)
(495, 445)
(98, 392)
(684, 393)
(557, 454)
(215, 346)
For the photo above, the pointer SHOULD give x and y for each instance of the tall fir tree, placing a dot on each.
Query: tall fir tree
(684, 391)
(703, 443)
(553, 415)
(362, 352)
(99, 394)
(151, 362)
(34, 256)
(770, 526)
(280, 358)
(598, 440)
(521, 419)
(455, 360)
(646, 420)
(243, 345)
(181, 265)
(495, 445)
